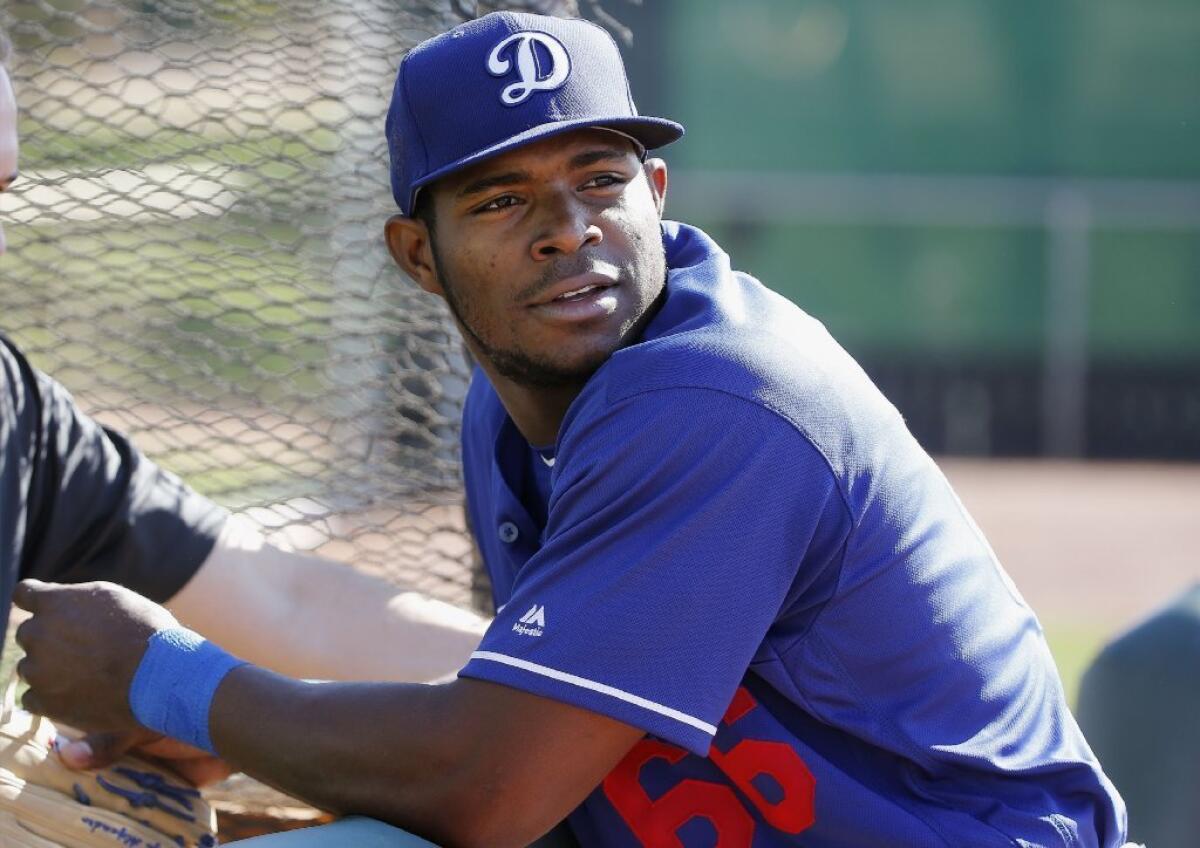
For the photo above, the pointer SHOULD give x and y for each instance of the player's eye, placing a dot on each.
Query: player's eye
(605, 181)
(504, 201)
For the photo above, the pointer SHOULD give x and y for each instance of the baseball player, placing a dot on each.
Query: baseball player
(737, 604)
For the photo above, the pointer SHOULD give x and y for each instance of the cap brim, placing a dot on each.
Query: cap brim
(648, 131)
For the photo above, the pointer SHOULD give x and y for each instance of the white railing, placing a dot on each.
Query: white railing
(1067, 209)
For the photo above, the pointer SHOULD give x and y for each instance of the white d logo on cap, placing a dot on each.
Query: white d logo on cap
(533, 77)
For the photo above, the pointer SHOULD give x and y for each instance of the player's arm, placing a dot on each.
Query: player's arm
(465, 763)
(307, 617)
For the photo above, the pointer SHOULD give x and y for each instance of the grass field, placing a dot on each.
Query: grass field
(1074, 647)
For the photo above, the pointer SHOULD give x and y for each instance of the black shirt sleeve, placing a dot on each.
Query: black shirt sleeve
(79, 502)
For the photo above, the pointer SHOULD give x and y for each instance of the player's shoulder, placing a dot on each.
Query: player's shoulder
(722, 334)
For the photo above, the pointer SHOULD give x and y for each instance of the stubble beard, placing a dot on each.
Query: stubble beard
(533, 371)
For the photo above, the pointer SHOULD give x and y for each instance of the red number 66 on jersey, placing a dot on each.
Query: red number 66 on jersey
(656, 822)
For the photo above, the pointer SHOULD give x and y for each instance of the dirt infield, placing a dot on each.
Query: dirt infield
(1088, 544)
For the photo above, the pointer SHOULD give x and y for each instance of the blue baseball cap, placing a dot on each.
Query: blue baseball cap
(504, 80)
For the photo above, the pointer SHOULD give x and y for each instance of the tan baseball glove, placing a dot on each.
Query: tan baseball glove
(131, 804)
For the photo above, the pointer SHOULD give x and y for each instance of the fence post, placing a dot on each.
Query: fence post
(1064, 373)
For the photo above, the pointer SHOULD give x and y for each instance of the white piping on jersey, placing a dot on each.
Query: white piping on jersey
(549, 462)
(602, 688)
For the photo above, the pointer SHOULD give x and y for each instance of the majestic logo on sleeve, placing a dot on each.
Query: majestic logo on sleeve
(541, 61)
(532, 623)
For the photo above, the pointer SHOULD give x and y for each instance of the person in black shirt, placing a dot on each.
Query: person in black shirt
(79, 502)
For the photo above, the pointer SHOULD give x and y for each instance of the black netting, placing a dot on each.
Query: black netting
(196, 251)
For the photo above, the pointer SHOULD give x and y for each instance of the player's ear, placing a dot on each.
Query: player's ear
(408, 241)
(656, 176)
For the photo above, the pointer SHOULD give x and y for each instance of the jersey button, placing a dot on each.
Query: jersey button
(509, 532)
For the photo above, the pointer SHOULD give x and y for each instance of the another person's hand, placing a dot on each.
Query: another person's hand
(82, 647)
(98, 750)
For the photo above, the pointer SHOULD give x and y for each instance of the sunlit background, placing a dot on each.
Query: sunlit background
(993, 204)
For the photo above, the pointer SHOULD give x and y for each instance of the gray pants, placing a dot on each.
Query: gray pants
(1138, 705)
(369, 833)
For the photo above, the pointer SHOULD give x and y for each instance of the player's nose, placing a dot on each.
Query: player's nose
(567, 226)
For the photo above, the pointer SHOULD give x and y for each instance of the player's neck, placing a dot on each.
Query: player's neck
(537, 412)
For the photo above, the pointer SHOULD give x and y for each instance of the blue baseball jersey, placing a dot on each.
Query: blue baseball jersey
(737, 546)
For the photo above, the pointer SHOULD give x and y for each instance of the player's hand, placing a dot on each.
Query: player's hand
(99, 750)
(82, 647)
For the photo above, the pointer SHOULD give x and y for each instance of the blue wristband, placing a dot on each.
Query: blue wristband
(174, 684)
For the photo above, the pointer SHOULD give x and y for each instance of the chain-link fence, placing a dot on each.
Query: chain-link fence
(196, 252)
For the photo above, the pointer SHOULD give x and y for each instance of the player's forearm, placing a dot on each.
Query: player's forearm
(467, 763)
(403, 753)
(310, 618)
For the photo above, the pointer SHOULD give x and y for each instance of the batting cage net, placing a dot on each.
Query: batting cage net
(196, 252)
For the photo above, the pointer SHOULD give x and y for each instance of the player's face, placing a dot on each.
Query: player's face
(8, 138)
(551, 256)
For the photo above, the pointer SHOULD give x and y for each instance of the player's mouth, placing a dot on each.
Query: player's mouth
(580, 297)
